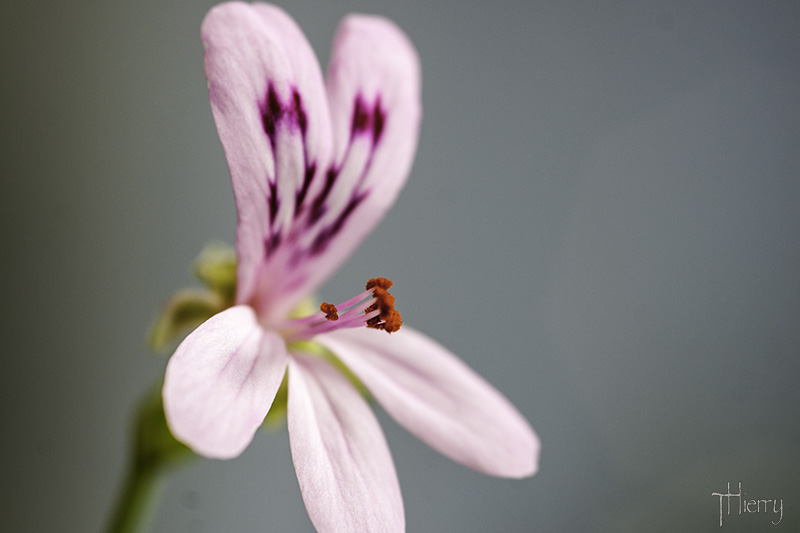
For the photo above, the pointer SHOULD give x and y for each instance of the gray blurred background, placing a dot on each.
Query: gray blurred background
(602, 220)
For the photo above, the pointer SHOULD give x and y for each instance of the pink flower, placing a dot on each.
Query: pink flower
(314, 165)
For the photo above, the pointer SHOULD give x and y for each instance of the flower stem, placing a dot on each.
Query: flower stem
(154, 449)
(136, 503)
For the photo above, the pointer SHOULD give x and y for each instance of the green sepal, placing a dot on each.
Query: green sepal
(277, 412)
(187, 309)
(215, 267)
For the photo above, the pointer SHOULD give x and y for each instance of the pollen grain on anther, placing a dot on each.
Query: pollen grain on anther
(331, 313)
(392, 322)
(383, 283)
(389, 319)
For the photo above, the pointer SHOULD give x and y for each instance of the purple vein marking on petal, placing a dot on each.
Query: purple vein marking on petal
(273, 200)
(271, 243)
(301, 118)
(299, 113)
(318, 206)
(360, 121)
(326, 234)
(366, 120)
(378, 120)
(300, 195)
(271, 113)
(378, 125)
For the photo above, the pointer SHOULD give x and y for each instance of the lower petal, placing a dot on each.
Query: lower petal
(438, 398)
(343, 463)
(221, 381)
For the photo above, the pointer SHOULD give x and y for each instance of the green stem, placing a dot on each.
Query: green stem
(154, 450)
(136, 503)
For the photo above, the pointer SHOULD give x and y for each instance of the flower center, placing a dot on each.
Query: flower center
(373, 308)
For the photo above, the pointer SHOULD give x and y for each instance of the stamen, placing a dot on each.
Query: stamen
(389, 318)
(373, 308)
(383, 283)
(331, 313)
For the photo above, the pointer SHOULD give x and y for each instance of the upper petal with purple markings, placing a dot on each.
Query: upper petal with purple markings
(269, 103)
(374, 96)
(314, 166)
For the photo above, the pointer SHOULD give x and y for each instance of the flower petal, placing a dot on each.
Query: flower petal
(221, 381)
(270, 107)
(343, 464)
(434, 395)
(374, 95)
(296, 192)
